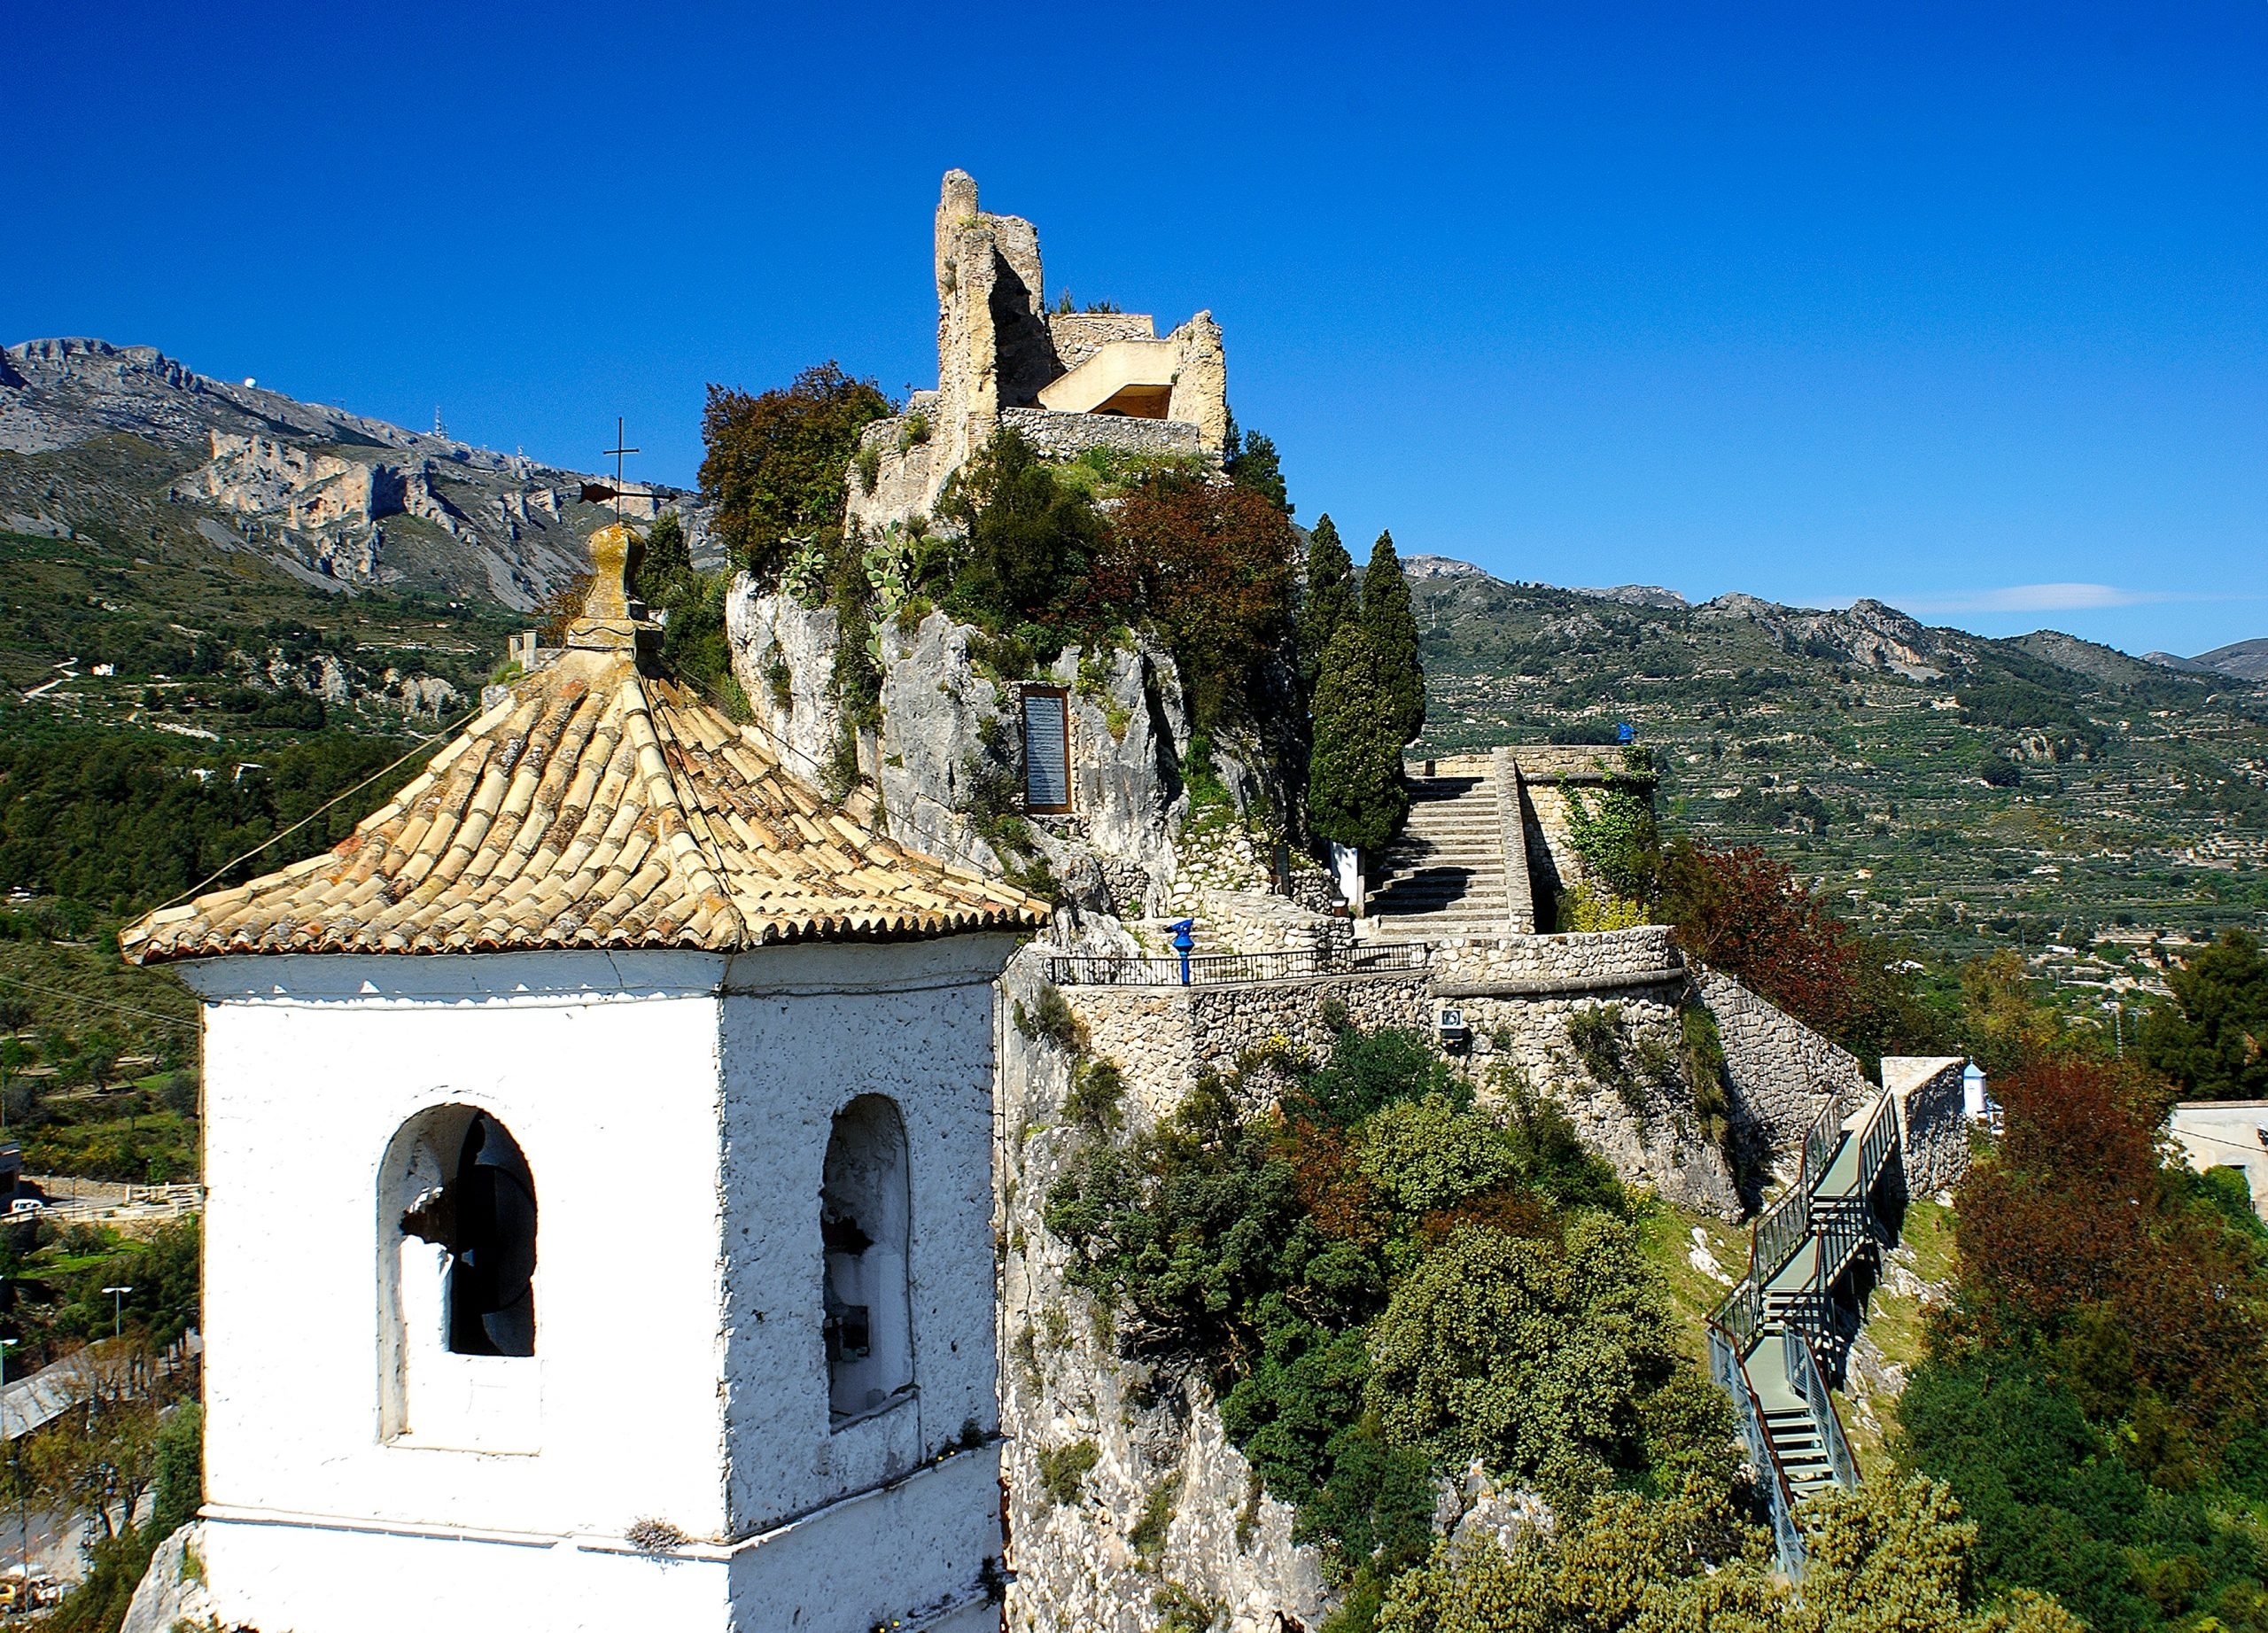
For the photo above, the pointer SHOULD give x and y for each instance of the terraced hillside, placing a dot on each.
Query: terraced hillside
(2039, 793)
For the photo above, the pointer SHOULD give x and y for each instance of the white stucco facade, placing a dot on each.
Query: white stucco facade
(2226, 1134)
(674, 1110)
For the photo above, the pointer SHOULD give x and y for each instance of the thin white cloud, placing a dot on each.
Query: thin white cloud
(2040, 598)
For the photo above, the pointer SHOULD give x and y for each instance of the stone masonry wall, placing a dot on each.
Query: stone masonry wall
(1064, 436)
(1933, 1127)
(1783, 1073)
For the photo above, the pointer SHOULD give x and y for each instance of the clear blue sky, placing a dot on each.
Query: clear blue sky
(1937, 303)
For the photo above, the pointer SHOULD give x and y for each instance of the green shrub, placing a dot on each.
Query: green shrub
(1098, 1088)
(1148, 1535)
(1063, 1470)
(1702, 1051)
(1052, 1017)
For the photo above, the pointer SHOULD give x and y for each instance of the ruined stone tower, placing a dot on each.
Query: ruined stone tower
(1065, 381)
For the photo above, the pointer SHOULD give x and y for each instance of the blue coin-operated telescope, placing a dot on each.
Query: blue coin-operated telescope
(1184, 939)
(1626, 733)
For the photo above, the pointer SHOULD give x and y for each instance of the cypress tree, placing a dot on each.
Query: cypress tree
(1393, 629)
(1355, 792)
(1332, 596)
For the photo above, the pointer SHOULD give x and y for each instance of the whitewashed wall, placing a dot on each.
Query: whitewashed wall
(674, 1111)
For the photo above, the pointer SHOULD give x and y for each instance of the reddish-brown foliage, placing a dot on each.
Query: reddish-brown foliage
(1215, 566)
(1331, 1187)
(1748, 915)
(2073, 1213)
(1515, 1210)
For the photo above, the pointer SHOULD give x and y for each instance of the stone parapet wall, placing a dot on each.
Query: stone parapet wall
(1511, 828)
(1932, 1124)
(1783, 1073)
(1544, 961)
(1066, 436)
(1572, 763)
(1258, 922)
(1080, 335)
(1163, 1038)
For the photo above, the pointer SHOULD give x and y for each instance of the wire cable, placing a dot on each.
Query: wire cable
(425, 746)
(104, 1003)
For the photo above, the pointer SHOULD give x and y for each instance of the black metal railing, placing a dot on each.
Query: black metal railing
(1228, 968)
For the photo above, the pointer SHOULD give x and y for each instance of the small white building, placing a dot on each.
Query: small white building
(600, 1143)
(2226, 1134)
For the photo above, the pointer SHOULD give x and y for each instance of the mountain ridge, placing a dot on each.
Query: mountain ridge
(1868, 623)
(97, 437)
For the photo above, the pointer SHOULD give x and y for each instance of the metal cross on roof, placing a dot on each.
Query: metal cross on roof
(619, 450)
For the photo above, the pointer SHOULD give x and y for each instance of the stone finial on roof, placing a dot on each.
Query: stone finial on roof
(612, 621)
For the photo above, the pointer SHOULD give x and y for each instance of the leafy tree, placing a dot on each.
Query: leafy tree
(1354, 788)
(1332, 596)
(1214, 567)
(776, 463)
(1393, 629)
(1528, 1354)
(2003, 1025)
(1423, 1155)
(2073, 1233)
(1252, 464)
(181, 1469)
(1032, 536)
(1745, 914)
(2212, 1039)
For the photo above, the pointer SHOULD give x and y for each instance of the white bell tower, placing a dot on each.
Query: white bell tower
(600, 1146)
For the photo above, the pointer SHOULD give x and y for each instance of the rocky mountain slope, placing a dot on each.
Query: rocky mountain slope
(1968, 792)
(124, 443)
(2247, 660)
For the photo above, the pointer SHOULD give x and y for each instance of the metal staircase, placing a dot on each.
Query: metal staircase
(1786, 1328)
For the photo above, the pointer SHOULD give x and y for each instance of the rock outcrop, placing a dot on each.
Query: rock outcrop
(336, 500)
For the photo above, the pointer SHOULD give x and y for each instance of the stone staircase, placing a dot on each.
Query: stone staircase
(1447, 874)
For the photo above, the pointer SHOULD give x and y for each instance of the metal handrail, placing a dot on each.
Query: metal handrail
(1819, 1140)
(1731, 1374)
(1227, 969)
(1842, 1224)
(1740, 1317)
(1778, 1233)
(1805, 1379)
(1879, 1143)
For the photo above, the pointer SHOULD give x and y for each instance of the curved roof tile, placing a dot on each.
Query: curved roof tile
(596, 806)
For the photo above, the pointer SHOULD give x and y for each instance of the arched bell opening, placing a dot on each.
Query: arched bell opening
(865, 1223)
(457, 1244)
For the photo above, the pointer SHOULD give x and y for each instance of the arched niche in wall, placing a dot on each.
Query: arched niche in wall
(865, 1229)
(458, 1248)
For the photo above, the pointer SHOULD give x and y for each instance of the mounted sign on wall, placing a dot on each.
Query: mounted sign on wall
(1047, 750)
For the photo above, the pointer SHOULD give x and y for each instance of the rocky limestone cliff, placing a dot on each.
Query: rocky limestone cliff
(1166, 1506)
(335, 499)
(949, 746)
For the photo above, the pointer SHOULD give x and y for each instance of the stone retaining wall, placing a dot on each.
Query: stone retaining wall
(1783, 1073)
(1933, 1125)
(1064, 436)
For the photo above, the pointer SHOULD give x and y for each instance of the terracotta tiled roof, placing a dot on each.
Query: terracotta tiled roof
(597, 807)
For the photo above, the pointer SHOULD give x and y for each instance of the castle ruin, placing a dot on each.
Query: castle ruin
(1065, 381)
